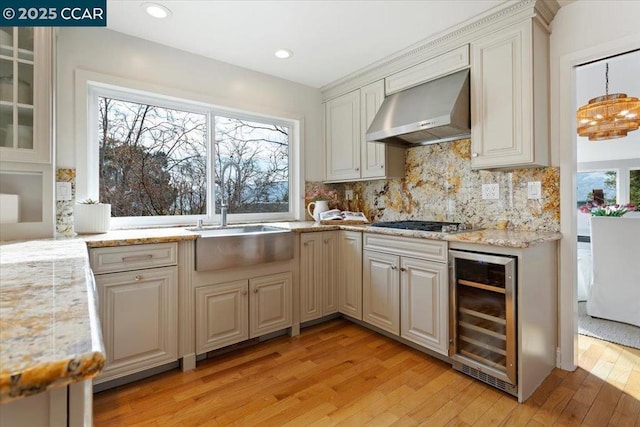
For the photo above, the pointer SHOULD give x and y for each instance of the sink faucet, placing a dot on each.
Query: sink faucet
(224, 207)
(199, 224)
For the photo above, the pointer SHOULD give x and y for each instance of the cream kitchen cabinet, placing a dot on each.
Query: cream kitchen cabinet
(232, 312)
(349, 157)
(350, 273)
(405, 289)
(318, 274)
(26, 67)
(138, 308)
(222, 315)
(510, 97)
(381, 291)
(26, 99)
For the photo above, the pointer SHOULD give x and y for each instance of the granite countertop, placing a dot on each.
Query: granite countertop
(49, 328)
(506, 238)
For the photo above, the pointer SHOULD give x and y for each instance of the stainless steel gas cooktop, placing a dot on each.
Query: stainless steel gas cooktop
(437, 226)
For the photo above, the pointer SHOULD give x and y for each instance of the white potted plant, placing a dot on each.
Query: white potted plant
(90, 216)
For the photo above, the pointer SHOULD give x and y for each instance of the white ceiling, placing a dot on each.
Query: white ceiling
(329, 39)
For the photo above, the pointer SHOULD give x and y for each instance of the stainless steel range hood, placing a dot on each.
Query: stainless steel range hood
(432, 112)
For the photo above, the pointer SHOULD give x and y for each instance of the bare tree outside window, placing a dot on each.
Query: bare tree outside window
(261, 150)
(152, 160)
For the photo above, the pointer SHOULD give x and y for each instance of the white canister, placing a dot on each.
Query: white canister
(91, 218)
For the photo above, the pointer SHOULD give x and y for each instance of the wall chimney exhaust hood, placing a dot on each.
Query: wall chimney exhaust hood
(432, 112)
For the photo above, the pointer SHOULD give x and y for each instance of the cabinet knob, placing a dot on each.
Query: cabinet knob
(381, 166)
(305, 244)
(244, 292)
(357, 169)
(474, 154)
(326, 240)
(393, 267)
(403, 269)
(138, 278)
(255, 291)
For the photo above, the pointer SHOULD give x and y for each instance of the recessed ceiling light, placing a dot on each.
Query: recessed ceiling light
(156, 10)
(284, 53)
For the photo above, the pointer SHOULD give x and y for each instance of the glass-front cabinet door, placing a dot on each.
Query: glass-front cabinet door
(25, 94)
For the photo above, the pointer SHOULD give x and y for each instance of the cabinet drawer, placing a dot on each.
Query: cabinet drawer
(134, 257)
(434, 250)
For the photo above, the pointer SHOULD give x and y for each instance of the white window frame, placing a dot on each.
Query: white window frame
(622, 169)
(91, 85)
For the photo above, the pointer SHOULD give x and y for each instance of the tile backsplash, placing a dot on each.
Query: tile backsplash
(440, 185)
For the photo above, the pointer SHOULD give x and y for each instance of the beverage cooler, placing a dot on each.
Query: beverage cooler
(483, 317)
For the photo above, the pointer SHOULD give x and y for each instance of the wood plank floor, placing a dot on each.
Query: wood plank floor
(340, 374)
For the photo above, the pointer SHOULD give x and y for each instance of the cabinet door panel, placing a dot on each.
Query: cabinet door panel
(380, 291)
(350, 274)
(343, 137)
(311, 277)
(501, 108)
(424, 296)
(270, 304)
(330, 272)
(372, 157)
(138, 313)
(221, 315)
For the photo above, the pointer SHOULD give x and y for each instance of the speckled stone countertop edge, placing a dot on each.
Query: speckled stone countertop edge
(490, 237)
(57, 352)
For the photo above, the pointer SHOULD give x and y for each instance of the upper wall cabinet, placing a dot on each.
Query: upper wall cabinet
(25, 94)
(510, 97)
(349, 156)
(431, 69)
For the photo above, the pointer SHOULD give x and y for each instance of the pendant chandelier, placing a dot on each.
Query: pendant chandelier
(608, 116)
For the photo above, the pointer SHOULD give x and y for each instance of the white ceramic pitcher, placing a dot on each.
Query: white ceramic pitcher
(314, 208)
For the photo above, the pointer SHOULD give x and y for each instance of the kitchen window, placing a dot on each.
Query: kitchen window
(159, 160)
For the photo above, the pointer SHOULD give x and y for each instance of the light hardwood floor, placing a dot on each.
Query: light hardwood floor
(338, 373)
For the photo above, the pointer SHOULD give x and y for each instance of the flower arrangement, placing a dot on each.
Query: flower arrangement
(603, 210)
(318, 193)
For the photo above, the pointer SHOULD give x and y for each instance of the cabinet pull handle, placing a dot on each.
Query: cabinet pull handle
(403, 269)
(136, 258)
(474, 154)
(138, 277)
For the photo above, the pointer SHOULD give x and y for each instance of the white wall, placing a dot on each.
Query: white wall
(107, 52)
(624, 72)
(582, 31)
(581, 25)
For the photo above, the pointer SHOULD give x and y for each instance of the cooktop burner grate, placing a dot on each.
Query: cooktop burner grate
(419, 225)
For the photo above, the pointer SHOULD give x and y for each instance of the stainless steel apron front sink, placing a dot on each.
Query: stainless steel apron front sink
(221, 248)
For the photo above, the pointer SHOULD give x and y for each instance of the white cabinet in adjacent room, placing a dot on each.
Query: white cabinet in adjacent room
(510, 97)
(318, 274)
